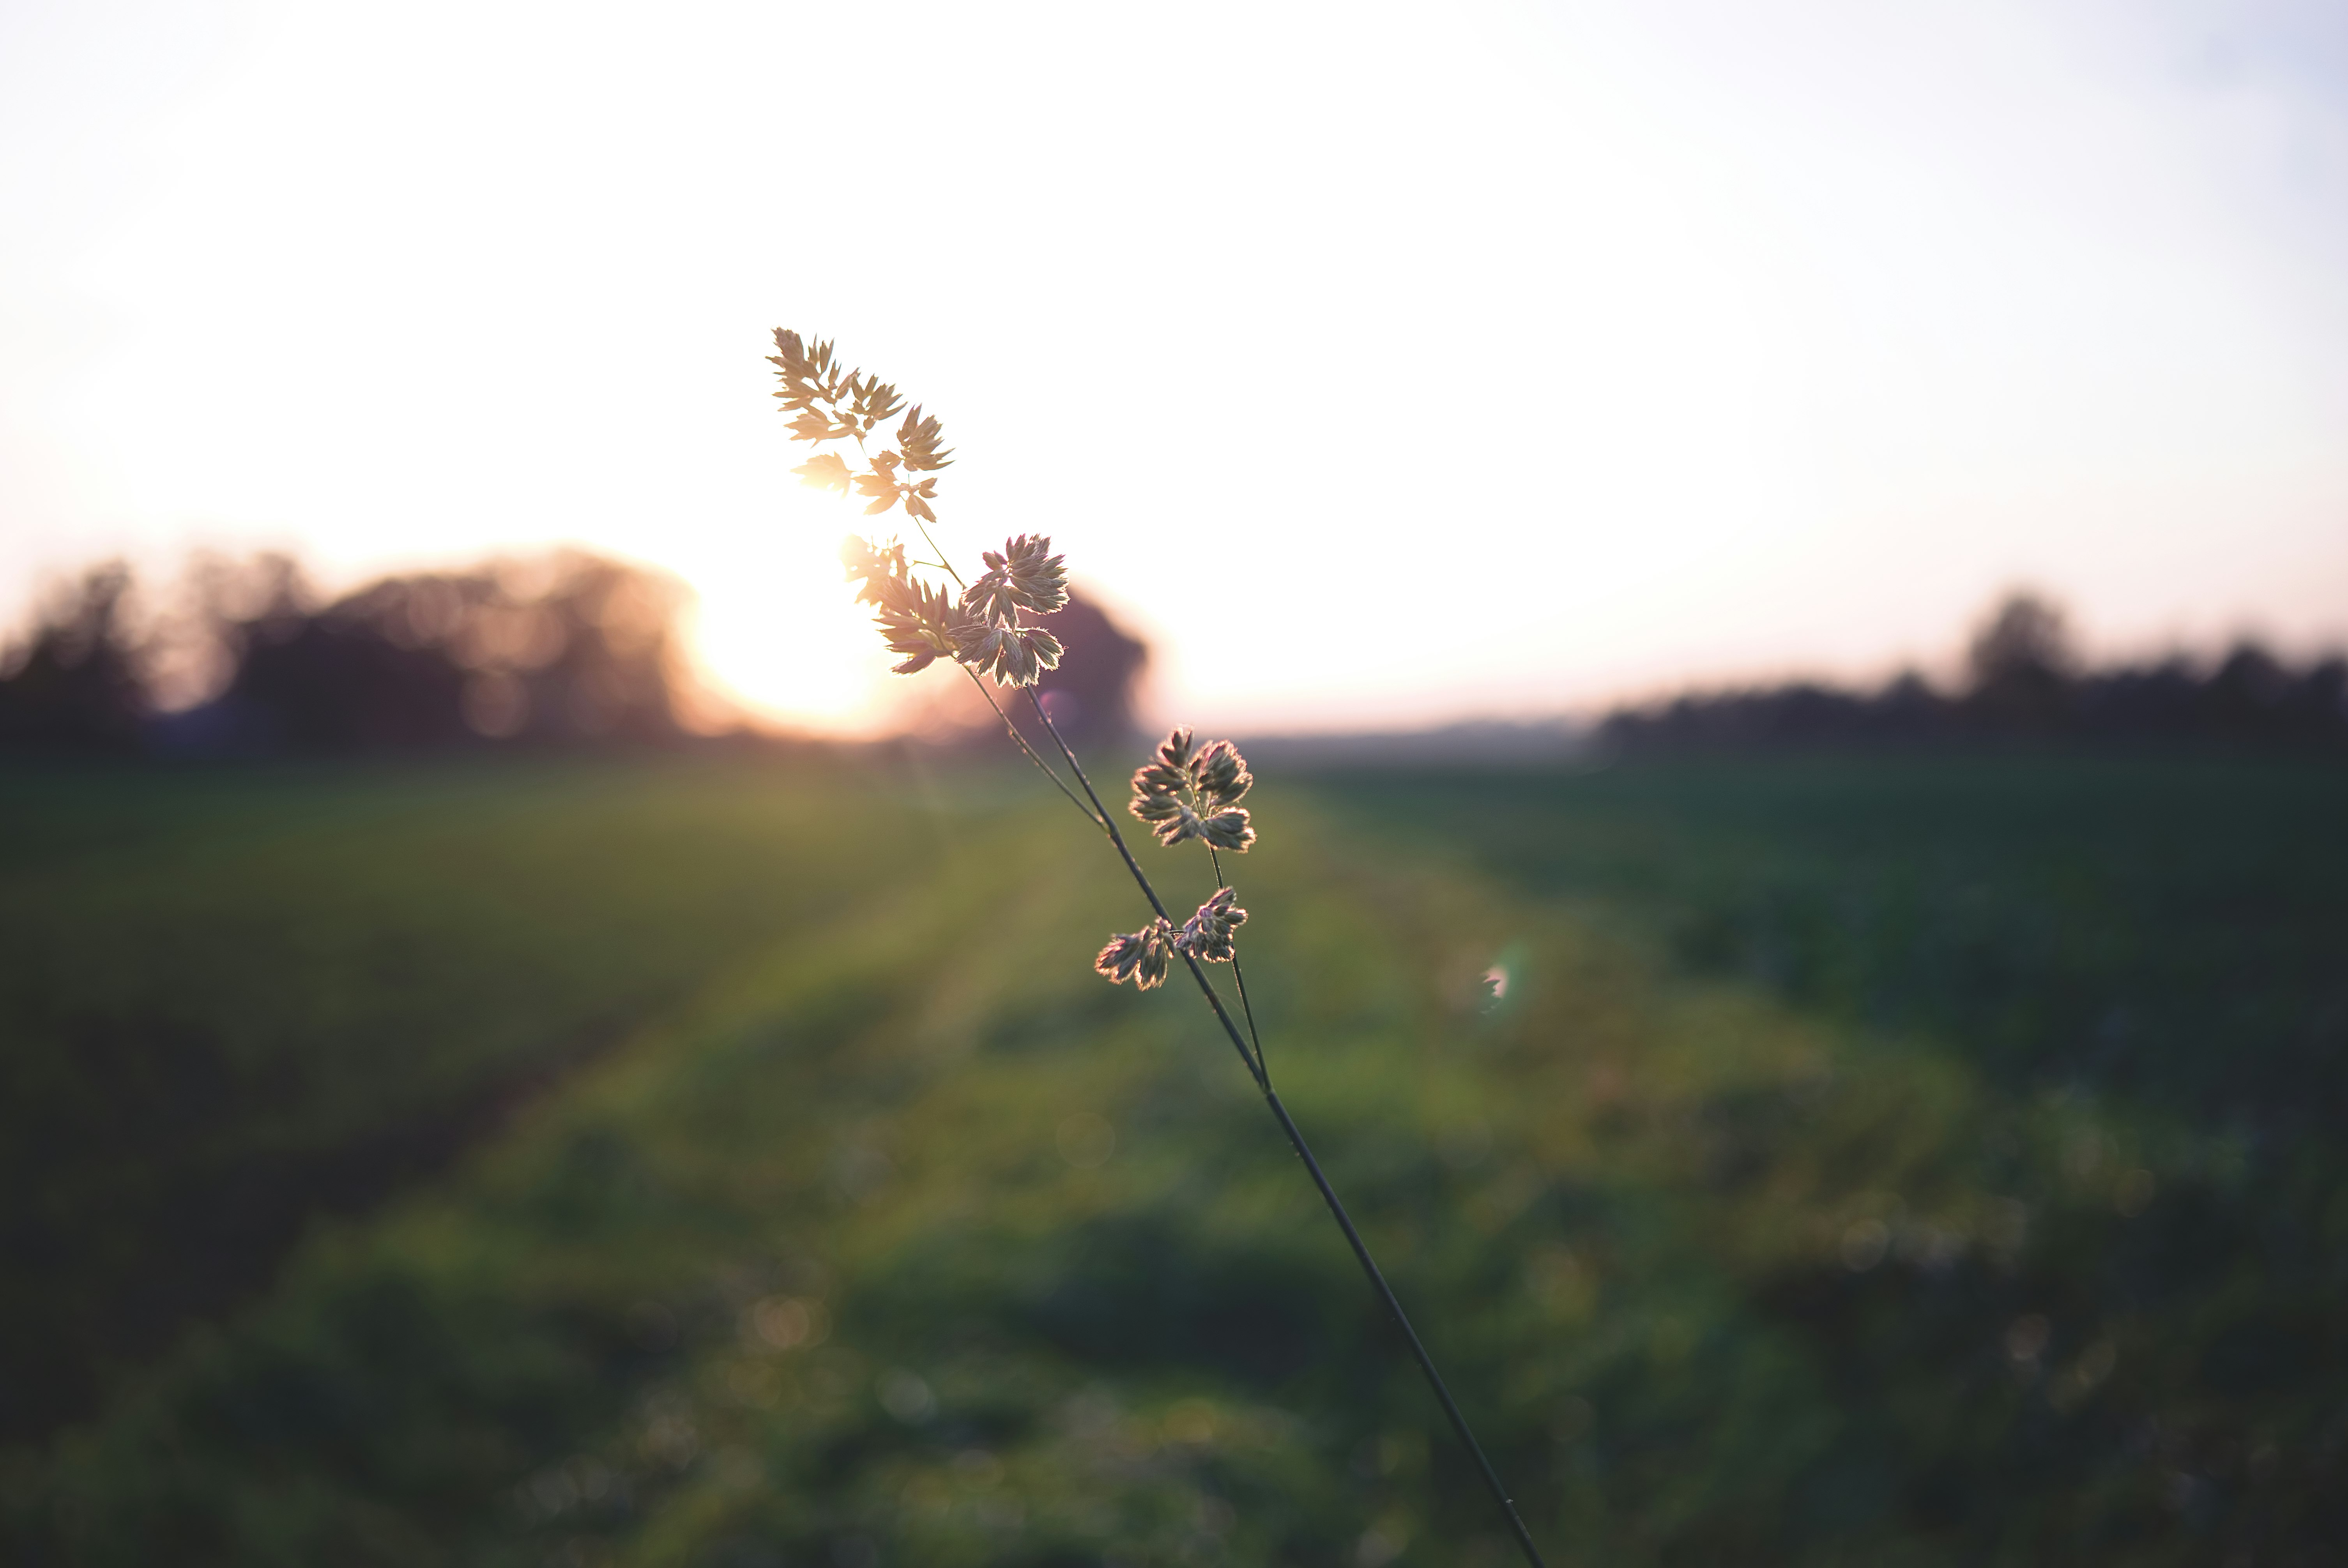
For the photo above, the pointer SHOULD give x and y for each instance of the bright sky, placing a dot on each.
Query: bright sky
(1383, 363)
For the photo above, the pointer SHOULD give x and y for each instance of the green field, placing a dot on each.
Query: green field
(735, 1163)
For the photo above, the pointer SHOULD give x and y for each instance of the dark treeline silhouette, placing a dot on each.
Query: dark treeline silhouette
(568, 649)
(73, 685)
(2024, 685)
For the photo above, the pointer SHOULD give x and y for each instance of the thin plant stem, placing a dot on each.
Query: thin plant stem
(1239, 975)
(1021, 741)
(1013, 730)
(1254, 1061)
(1303, 1152)
(939, 553)
(1255, 1070)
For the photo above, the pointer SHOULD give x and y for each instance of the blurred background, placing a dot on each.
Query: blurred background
(1783, 569)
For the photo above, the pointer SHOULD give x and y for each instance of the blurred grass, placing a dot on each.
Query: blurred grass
(233, 998)
(2172, 931)
(892, 1234)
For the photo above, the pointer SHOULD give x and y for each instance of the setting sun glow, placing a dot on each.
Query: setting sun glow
(775, 629)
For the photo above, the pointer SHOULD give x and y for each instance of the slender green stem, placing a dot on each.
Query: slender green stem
(1239, 974)
(1303, 1152)
(939, 553)
(1402, 1321)
(1013, 730)
(1021, 741)
(1255, 1069)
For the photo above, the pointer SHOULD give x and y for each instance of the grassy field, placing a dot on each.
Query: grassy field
(2173, 933)
(234, 999)
(735, 1164)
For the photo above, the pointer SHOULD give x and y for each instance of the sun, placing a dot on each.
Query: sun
(777, 630)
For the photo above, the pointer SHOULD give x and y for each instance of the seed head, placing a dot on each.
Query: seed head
(1221, 772)
(872, 564)
(919, 622)
(1206, 935)
(1024, 576)
(853, 402)
(1228, 830)
(881, 487)
(1164, 774)
(1012, 655)
(1188, 791)
(809, 376)
(918, 439)
(1137, 956)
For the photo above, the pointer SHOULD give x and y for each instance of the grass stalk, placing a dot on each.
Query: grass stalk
(1376, 1277)
(982, 629)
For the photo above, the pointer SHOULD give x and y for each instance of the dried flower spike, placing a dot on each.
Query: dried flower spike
(1024, 576)
(1140, 955)
(825, 471)
(920, 621)
(1193, 794)
(1206, 935)
(1011, 655)
(808, 376)
(1222, 775)
(918, 439)
(830, 403)
(886, 489)
(872, 565)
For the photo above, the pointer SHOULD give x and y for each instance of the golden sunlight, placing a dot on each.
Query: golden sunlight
(776, 630)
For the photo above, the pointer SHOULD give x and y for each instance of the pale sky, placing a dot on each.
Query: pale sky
(1383, 364)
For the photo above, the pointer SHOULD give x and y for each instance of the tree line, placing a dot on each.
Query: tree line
(2024, 685)
(566, 649)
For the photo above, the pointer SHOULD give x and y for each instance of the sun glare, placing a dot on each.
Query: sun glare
(777, 630)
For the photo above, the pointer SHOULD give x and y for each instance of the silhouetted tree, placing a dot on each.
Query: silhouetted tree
(2025, 685)
(569, 649)
(1091, 694)
(73, 685)
(2021, 663)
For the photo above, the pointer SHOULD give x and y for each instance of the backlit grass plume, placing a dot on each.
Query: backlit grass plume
(927, 611)
(1186, 792)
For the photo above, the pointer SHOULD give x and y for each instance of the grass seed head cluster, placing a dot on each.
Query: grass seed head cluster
(1185, 792)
